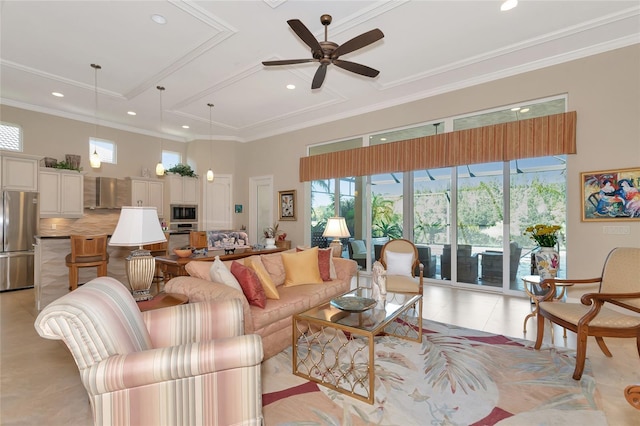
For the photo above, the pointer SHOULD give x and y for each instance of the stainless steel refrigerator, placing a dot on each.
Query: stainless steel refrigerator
(19, 220)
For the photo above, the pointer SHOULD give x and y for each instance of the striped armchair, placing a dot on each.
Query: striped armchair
(188, 364)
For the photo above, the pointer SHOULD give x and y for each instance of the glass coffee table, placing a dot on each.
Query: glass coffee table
(335, 347)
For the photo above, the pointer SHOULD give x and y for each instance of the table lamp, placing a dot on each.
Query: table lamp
(138, 226)
(336, 228)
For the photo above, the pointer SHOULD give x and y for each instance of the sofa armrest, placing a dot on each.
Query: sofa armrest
(199, 290)
(345, 268)
(173, 326)
(144, 368)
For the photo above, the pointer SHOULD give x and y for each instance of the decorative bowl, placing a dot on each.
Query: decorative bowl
(183, 252)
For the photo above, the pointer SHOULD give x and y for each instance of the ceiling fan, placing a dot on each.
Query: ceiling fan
(327, 52)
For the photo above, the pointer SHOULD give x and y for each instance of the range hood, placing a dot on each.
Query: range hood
(101, 193)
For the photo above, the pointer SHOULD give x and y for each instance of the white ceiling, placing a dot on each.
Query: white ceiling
(211, 52)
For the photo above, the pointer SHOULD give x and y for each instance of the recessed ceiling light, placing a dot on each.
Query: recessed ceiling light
(383, 139)
(508, 5)
(158, 19)
(57, 94)
(524, 110)
(291, 86)
(131, 112)
(515, 109)
(185, 127)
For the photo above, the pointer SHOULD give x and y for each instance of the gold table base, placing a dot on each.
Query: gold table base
(339, 352)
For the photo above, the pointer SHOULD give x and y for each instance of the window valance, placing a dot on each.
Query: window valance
(535, 137)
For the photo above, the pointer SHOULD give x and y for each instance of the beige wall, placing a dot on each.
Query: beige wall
(604, 90)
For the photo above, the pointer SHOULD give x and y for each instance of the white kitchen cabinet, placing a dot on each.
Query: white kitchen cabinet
(182, 189)
(61, 193)
(19, 173)
(148, 193)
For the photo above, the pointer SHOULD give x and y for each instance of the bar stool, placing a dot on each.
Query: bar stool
(158, 249)
(87, 251)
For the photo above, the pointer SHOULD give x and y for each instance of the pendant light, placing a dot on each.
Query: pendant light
(94, 159)
(210, 172)
(159, 166)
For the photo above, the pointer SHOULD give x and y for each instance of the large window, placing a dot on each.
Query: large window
(170, 159)
(10, 137)
(467, 221)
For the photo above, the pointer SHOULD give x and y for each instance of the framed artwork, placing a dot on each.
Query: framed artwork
(611, 195)
(287, 205)
(238, 208)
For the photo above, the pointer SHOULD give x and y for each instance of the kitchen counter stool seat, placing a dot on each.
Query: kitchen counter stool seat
(87, 251)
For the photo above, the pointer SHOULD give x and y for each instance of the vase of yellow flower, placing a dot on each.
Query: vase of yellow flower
(547, 258)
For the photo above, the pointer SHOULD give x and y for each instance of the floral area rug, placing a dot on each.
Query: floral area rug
(456, 376)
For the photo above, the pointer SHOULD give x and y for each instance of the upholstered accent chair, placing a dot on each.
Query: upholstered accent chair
(428, 261)
(358, 252)
(619, 285)
(187, 364)
(400, 259)
(491, 262)
(467, 263)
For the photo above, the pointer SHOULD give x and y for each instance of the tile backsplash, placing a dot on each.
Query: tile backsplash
(93, 222)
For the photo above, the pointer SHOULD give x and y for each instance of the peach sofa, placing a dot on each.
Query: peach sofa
(273, 322)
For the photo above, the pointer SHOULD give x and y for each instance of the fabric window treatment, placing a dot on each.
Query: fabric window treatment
(535, 137)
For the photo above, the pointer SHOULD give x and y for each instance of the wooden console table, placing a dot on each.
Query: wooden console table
(173, 266)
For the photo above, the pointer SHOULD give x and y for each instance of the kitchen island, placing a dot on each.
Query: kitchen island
(51, 275)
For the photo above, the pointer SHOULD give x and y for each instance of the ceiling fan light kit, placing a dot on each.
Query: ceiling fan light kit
(327, 52)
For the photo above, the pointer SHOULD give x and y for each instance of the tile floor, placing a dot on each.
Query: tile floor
(40, 382)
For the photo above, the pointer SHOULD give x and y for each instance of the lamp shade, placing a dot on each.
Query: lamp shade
(137, 226)
(336, 228)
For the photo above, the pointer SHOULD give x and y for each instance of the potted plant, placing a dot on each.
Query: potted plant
(270, 234)
(182, 170)
(547, 259)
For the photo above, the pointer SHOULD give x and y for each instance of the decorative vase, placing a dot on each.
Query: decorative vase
(547, 262)
(270, 243)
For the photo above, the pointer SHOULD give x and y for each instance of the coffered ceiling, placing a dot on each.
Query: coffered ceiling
(212, 52)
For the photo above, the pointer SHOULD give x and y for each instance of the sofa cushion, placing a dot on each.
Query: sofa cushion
(199, 270)
(220, 273)
(250, 283)
(268, 285)
(294, 300)
(301, 267)
(273, 264)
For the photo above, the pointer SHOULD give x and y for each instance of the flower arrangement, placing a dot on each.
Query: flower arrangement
(271, 231)
(543, 235)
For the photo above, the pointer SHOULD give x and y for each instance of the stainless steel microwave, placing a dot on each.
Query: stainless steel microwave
(184, 213)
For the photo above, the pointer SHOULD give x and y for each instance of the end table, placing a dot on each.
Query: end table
(162, 300)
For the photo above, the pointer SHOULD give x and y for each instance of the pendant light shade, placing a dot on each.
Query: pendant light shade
(159, 166)
(94, 159)
(210, 175)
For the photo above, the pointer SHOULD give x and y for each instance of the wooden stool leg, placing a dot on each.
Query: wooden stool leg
(73, 278)
(102, 270)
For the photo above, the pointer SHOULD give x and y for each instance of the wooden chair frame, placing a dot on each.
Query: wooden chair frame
(595, 313)
(87, 251)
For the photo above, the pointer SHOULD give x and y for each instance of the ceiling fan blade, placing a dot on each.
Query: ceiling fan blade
(288, 61)
(318, 79)
(358, 42)
(357, 68)
(305, 35)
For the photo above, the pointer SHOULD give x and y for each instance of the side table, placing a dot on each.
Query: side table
(531, 282)
(162, 300)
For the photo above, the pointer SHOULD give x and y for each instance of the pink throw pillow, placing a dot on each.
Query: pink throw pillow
(250, 283)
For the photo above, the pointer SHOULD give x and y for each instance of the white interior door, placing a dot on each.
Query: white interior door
(217, 206)
(260, 207)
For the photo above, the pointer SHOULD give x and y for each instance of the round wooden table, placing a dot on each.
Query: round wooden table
(163, 300)
(530, 283)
